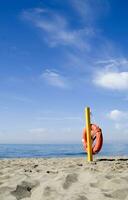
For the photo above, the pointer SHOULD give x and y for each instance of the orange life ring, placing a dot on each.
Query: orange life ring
(97, 138)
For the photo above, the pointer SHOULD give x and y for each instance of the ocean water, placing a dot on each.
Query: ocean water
(57, 150)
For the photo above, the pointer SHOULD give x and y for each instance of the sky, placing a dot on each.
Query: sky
(56, 58)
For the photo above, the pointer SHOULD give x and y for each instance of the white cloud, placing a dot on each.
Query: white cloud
(119, 126)
(108, 64)
(17, 98)
(21, 99)
(55, 79)
(113, 63)
(113, 75)
(59, 118)
(123, 130)
(90, 10)
(119, 119)
(112, 80)
(54, 135)
(117, 115)
(56, 28)
(37, 131)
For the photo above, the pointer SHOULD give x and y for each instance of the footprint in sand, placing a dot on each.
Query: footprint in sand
(48, 191)
(5, 189)
(125, 178)
(117, 194)
(109, 176)
(70, 178)
(120, 194)
(116, 180)
(81, 197)
(23, 190)
(107, 195)
(94, 185)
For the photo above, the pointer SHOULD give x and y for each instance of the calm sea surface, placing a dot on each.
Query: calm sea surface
(57, 150)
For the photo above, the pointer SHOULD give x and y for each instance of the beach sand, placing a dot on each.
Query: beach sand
(64, 178)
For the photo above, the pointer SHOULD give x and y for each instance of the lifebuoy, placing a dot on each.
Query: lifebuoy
(97, 138)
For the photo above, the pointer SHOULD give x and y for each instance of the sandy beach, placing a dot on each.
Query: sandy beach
(64, 178)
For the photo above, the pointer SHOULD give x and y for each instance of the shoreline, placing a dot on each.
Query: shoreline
(95, 158)
(64, 178)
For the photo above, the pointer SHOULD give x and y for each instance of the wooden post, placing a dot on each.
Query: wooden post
(88, 129)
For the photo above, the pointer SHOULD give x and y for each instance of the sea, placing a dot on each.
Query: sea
(57, 150)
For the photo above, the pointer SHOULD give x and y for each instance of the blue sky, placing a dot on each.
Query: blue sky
(56, 58)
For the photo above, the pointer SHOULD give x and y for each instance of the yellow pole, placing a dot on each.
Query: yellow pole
(88, 130)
